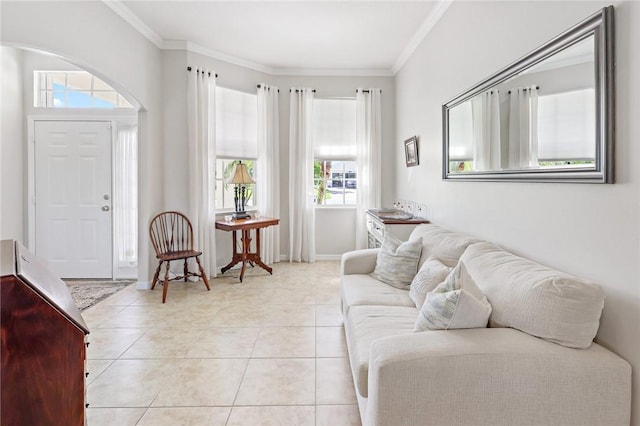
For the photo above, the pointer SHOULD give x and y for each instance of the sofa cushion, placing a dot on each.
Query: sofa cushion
(455, 303)
(431, 273)
(397, 261)
(446, 246)
(361, 289)
(369, 323)
(535, 299)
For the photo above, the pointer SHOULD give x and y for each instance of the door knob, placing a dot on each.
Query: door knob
(105, 208)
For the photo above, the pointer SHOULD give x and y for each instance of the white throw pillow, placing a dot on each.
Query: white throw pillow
(432, 273)
(455, 303)
(397, 262)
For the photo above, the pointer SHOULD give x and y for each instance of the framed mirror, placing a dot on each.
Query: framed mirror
(548, 117)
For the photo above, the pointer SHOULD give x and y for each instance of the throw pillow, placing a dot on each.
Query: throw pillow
(455, 303)
(431, 273)
(397, 262)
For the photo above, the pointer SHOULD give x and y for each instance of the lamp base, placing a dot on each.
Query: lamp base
(241, 215)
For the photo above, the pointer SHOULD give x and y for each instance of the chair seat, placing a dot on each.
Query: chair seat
(174, 255)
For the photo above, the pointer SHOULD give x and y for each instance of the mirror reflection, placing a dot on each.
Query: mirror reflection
(542, 118)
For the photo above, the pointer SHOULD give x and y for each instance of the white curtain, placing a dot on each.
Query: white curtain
(125, 196)
(485, 109)
(302, 244)
(268, 170)
(202, 161)
(523, 127)
(368, 158)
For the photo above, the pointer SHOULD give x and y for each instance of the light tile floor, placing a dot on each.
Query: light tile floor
(269, 351)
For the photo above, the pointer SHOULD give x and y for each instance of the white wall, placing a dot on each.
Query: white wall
(102, 43)
(589, 230)
(12, 142)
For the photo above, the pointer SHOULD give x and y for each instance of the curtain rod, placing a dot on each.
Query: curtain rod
(526, 88)
(260, 85)
(189, 69)
(299, 90)
(366, 91)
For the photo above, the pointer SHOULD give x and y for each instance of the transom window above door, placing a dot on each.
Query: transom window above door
(74, 89)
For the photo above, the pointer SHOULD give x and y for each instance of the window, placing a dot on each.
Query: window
(74, 89)
(335, 182)
(224, 191)
(334, 146)
(125, 195)
(236, 139)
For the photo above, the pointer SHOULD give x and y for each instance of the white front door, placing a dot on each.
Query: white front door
(73, 197)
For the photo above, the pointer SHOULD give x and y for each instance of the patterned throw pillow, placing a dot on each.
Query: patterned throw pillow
(432, 273)
(455, 303)
(397, 262)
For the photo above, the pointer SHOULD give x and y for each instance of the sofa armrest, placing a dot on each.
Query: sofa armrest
(359, 262)
(494, 376)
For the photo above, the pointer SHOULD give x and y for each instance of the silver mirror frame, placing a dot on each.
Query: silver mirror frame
(601, 26)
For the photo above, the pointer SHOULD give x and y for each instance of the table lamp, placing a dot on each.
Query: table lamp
(241, 178)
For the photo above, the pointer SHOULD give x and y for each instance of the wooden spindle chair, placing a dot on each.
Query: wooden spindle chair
(171, 235)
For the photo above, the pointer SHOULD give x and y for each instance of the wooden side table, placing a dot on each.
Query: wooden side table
(245, 226)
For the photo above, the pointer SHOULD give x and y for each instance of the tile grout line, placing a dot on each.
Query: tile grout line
(140, 301)
(244, 373)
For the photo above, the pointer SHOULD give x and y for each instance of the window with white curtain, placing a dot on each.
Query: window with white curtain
(334, 147)
(566, 127)
(236, 139)
(125, 202)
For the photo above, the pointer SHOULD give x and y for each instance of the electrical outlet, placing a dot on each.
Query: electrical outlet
(423, 210)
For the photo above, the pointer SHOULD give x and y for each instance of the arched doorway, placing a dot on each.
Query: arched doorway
(103, 182)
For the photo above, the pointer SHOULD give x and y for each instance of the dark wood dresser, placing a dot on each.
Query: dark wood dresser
(43, 341)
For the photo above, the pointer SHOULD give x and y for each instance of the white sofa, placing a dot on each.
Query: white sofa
(524, 369)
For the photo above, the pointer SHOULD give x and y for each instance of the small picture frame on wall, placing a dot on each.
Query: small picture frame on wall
(411, 151)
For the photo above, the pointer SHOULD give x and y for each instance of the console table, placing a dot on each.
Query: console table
(389, 221)
(245, 226)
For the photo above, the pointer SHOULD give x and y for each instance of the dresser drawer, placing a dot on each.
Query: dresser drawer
(375, 228)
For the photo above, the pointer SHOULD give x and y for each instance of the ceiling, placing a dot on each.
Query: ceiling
(294, 37)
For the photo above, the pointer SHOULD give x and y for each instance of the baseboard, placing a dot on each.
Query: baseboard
(143, 285)
(285, 258)
(328, 256)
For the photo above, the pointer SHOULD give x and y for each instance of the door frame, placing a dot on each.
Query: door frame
(113, 120)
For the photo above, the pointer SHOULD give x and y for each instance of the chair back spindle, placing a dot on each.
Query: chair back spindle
(171, 232)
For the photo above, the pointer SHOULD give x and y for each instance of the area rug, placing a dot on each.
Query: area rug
(88, 293)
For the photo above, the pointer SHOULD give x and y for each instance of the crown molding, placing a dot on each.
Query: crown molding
(136, 23)
(334, 72)
(422, 33)
(215, 54)
(274, 71)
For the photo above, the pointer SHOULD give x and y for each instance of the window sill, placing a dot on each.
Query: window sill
(223, 212)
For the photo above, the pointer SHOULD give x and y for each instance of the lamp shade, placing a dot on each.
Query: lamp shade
(240, 175)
